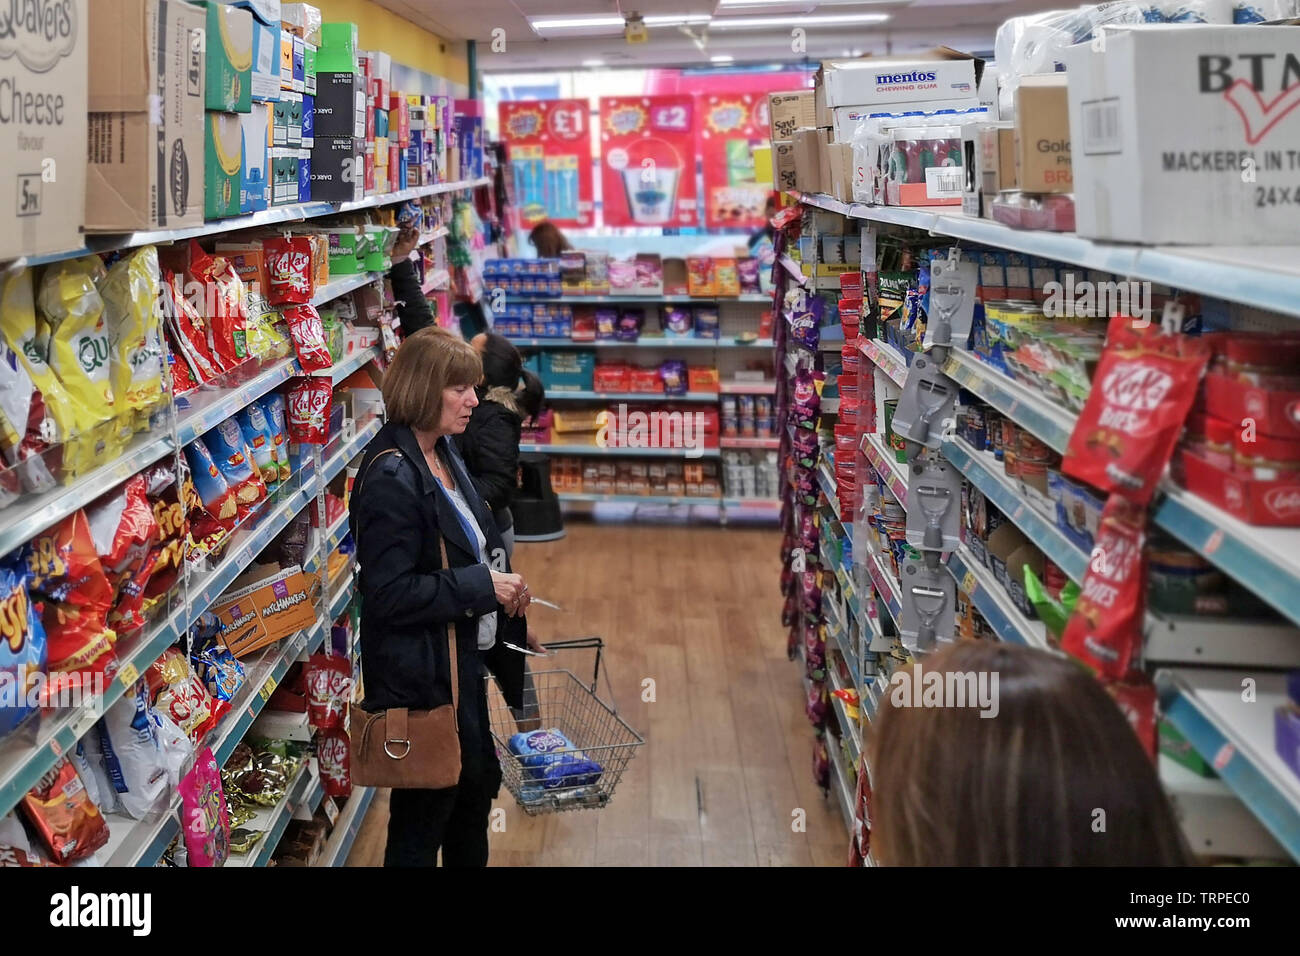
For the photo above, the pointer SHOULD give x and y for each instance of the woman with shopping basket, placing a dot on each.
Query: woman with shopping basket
(438, 604)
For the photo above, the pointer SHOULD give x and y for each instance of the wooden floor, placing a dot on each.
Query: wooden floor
(728, 753)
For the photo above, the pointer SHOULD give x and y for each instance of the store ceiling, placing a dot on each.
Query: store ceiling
(522, 45)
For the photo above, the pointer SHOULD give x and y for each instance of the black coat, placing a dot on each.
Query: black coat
(490, 446)
(397, 513)
(413, 310)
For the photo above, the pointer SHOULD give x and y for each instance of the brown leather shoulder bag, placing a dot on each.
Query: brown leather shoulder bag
(406, 748)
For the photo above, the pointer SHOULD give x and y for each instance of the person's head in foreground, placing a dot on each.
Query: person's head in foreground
(1054, 776)
(548, 240)
(430, 386)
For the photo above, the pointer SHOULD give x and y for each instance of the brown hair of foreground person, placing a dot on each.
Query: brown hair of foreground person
(429, 361)
(1024, 787)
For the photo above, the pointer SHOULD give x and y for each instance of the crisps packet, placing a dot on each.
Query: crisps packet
(309, 410)
(210, 483)
(274, 407)
(124, 530)
(1142, 391)
(181, 695)
(130, 290)
(227, 305)
(79, 346)
(23, 649)
(221, 671)
(164, 495)
(205, 818)
(1105, 631)
(234, 461)
(308, 333)
(189, 330)
(132, 758)
(261, 442)
(289, 270)
(69, 825)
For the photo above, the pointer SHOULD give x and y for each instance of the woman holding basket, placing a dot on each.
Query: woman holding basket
(437, 599)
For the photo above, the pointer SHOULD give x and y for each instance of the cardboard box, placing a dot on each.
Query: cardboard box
(783, 167)
(788, 112)
(309, 68)
(299, 65)
(338, 169)
(304, 20)
(304, 175)
(846, 118)
(43, 150)
(223, 165)
(286, 60)
(339, 52)
(308, 121)
(821, 111)
(229, 59)
(263, 607)
(940, 74)
(990, 160)
(266, 11)
(807, 159)
(255, 182)
(266, 63)
(143, 47)
(294, 120)
(1206, 154)
(841, 172)
(284, 176)
(1043, 134)
(824, 177)
(340, 105)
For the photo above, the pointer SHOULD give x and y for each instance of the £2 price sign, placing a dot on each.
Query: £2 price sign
(648, 160)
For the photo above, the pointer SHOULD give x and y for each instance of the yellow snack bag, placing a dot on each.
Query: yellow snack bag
(57, 424)
(130, 291)
(79, 350)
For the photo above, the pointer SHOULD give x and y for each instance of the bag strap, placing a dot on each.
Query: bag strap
(452, 654)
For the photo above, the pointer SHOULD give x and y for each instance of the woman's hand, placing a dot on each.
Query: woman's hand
(512, 592)
(407, 239)
(535, 645)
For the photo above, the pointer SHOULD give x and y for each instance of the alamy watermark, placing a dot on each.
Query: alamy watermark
(1088, 299)
(921, 688)
(655, 429)
(74, 689)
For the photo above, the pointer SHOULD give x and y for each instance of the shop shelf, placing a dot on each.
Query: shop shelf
(273, 821)
(1026, 407)
(1220, 642)
(270, 217)
(204, 408)
(850, 726)
(764, 504)
(840, 783)
(343, 285)
(994, 603)
(345, 830)
(830, 406)
(753, 298)
(348, 450)
(637, 499)
(352, 363)
(986, 474)
(556, 449)
(438, 233)
(888, 590)
(726, 342)
(1213, 818)
(438, 281)
(747, 388)
(772, 443)
(891, 469)
(652, 397)
(1235, 737)
(1264, 277)
(885, 357)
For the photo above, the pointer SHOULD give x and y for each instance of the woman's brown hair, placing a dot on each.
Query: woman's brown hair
(1056, 777)
(426, 363)
(548, 240)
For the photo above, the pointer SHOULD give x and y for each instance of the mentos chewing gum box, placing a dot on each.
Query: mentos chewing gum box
(940, 74)
(1187, 134)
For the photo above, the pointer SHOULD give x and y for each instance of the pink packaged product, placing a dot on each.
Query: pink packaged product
(622, 277)
(747, 269)
(205, 818)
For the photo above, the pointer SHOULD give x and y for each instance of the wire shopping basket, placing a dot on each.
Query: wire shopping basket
(566, 749)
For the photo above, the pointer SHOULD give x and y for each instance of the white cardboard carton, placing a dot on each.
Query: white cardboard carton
(847, 118)
(941, 74)
(1187, 134)
(43, 78)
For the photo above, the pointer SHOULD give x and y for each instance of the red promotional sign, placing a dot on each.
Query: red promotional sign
(648, 160)
(549, 145)
(730, 126)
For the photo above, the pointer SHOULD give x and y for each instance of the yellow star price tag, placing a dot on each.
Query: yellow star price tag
(268, 688)
(128, 675)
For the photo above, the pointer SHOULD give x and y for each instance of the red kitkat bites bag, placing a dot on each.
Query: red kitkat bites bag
(1143, 388)
(1105, 630)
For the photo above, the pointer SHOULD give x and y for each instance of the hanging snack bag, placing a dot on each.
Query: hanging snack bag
(61, 812)
(213, 490)
(1105, 631)
(274, 408)
(329, 689)
(16, 401)
(205, 818)
(288, 270)
(125, 531)
(181, 695)
(220, 670)
(334, 751)
(807, 399)
(129, 749)
(308, 333)
(1143, 388)
(168, 551)
(227, 304)
(261, 442)
(308, 407)
(51, 421)
(79, 346)
(22, 648)
(189, 329)
(806, 320)
(234, 461)
(131, 291)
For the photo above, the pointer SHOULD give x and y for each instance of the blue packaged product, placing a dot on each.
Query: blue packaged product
(260, 441)
(273, 407)
(233, 459)
(23, 651)
(552, 760)
(210, 484)
(707, 323)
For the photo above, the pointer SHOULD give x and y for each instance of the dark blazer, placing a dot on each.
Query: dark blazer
(397, 513)
(413, 310)
(490, 447)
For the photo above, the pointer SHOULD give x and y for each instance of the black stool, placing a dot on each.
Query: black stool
(536, 509)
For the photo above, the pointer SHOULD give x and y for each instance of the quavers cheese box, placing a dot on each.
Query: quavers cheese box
(42, 153)
(229, 59)
(1187, 133)
(144, 50)
(223, 165)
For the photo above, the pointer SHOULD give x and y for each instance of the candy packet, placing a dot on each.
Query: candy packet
(673, 375)
(707, 322)
(329, 689)
(289, 270)
(130, 290)
(334, 754)
(189, 330)
(677, 321)
(308, 334)
(59, 809)
(124, 530)
(221, 671)
(308, 406)
(205, 819)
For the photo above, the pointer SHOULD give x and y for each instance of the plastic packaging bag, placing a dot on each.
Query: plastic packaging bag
(308, 333)
(231, 455)
(260, 440)
(131, 755)
(69, 825)
(131, 291)
(227, 305)
(289, 270)
(329, 689)
(274, 407)
(308, 407)
(205, 818)
(124, 530)
(181, 696)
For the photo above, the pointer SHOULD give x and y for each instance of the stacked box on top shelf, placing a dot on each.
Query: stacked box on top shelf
(523, 277)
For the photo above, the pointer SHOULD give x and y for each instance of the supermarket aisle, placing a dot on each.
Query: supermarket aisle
(728, 749)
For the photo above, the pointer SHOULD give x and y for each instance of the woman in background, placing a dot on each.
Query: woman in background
(548, 240)
(1056, 777)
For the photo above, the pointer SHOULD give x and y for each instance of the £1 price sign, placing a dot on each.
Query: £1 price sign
(549, 144)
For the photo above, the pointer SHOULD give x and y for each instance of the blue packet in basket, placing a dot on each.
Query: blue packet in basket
(551, 759)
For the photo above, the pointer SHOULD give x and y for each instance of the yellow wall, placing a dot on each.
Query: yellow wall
(381, 29)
